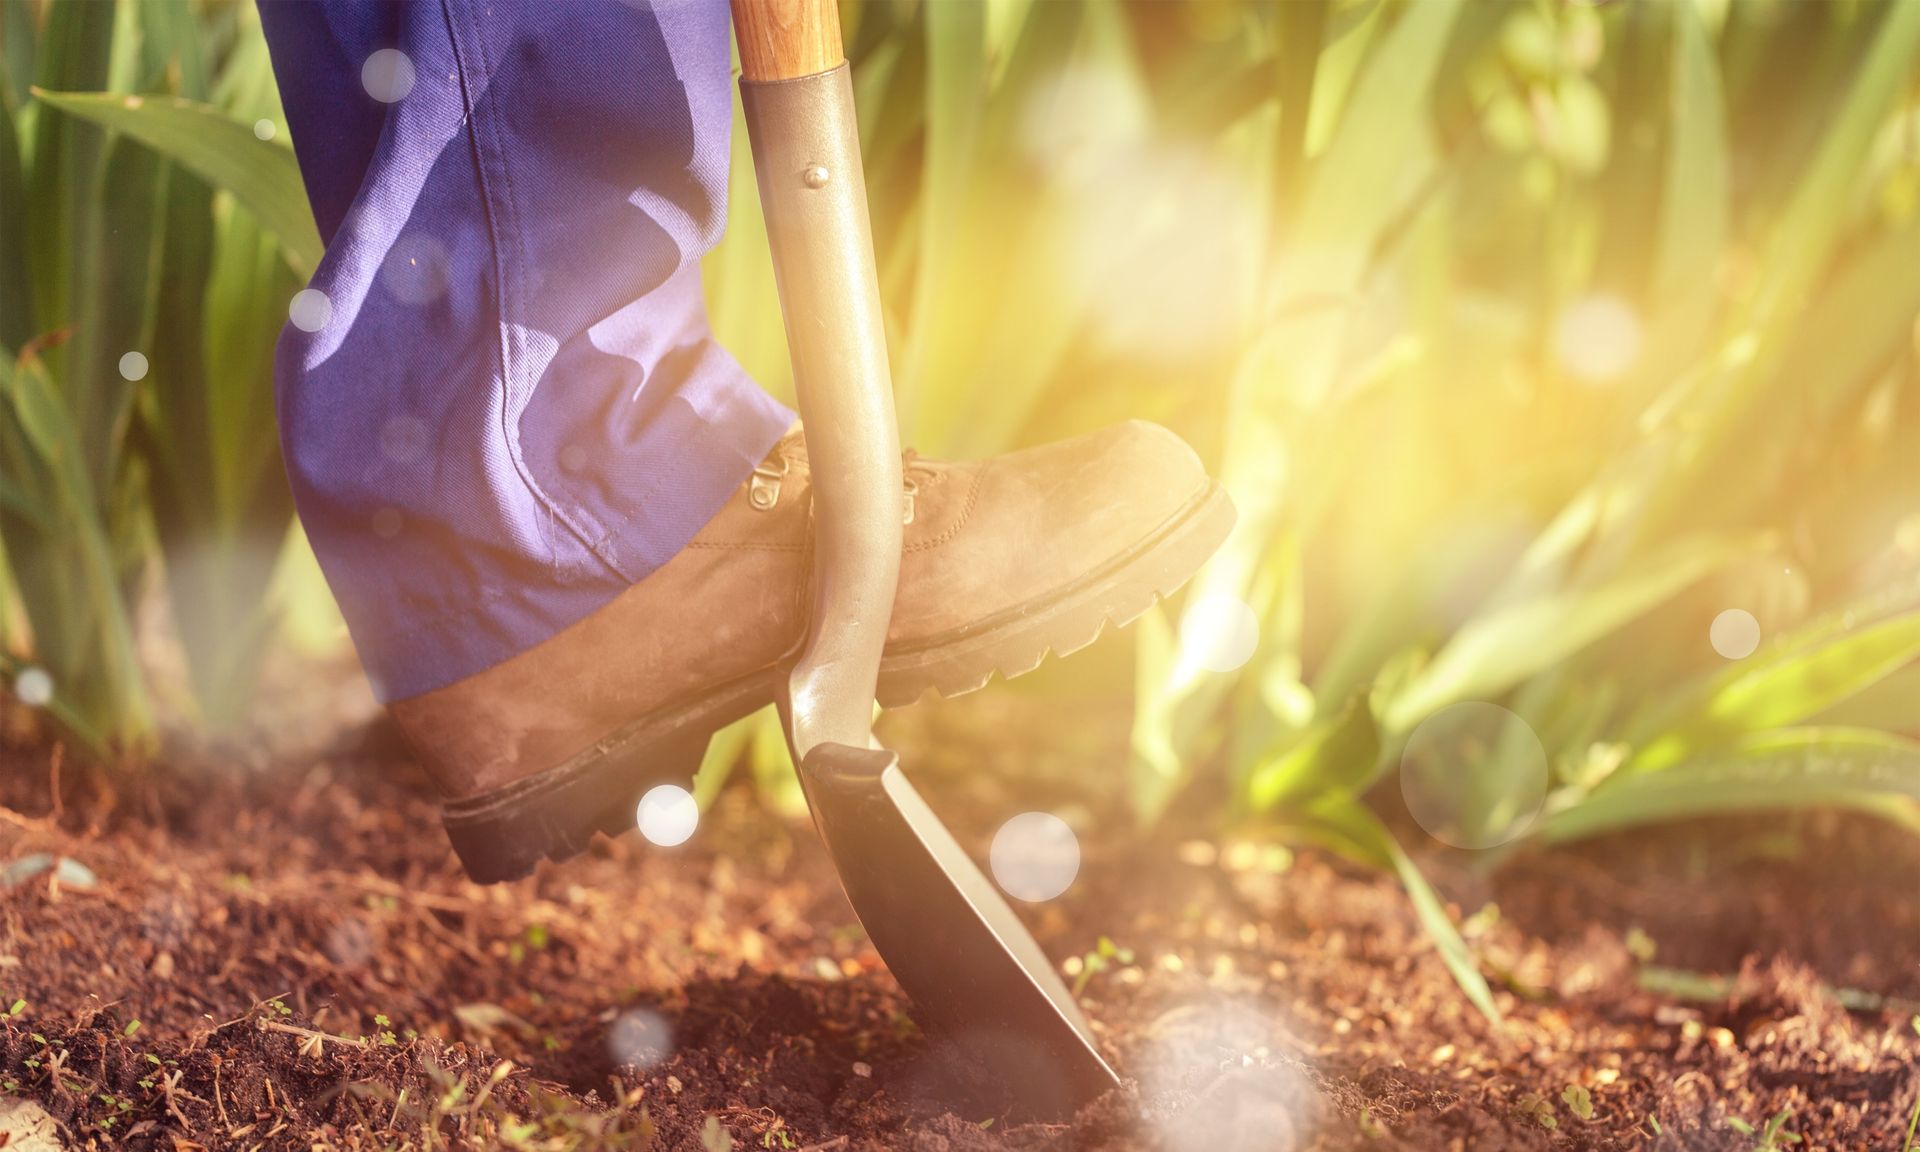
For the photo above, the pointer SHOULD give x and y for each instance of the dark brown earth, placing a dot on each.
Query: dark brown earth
(279, 951)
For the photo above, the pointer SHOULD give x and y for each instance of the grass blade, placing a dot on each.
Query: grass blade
(1791, 689)
(1499, 648)
(1862, 318)
(1357, 833)
(1155, 766)
(218, 148)
(20, 37)
(114, 269)
(1356, 188)
(1806, 233)
(1694, 204)
(1336, 756)
(74, 53)
(16, 279)
(956, 83)
(1789, 769)
(69, 582)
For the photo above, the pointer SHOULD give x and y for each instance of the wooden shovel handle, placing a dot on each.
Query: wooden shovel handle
(787, 39)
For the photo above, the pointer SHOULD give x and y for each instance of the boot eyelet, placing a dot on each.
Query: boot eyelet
(763, 487)
(763, 493)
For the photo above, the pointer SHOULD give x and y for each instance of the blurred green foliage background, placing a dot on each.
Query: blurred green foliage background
(1553, 353)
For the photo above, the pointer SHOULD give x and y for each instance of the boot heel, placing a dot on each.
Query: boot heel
(502, 834)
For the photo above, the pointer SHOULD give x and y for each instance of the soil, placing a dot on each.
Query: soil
(278, 950)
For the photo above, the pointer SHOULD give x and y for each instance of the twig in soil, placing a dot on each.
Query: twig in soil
(317, 1040)
(170, 1088)
(828, 1146)
(257, 1005)
(53, 780)
(21, 820)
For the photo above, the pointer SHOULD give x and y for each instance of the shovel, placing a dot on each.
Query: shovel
(953, 944)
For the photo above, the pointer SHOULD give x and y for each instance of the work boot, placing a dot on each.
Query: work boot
(1005, 560)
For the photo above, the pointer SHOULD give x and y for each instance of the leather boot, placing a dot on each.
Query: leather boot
(1005, 560)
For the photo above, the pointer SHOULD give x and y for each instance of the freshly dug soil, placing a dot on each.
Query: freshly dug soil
(283, 954)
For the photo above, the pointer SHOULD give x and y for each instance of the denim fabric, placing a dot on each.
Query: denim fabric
(515, 408)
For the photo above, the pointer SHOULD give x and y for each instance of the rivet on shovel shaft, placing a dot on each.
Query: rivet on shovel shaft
(816, 176)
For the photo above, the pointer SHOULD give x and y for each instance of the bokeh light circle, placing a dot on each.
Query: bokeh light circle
(667, 815)
(1034, 857)
(1218, 632)
(33, 687)
(416, 269)
(310, 310)
(404, 439)
(387, 523)
(1474, 775)
(1597, 338)
(639, 1039)
(387, 75)
(264, 130)
(1735, 633)
(349, 943)
(1221, 1064)
(133, 366)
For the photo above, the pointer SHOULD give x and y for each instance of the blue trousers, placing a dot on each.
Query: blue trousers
(500, 402)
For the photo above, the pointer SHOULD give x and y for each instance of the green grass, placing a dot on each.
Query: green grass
(144, 217)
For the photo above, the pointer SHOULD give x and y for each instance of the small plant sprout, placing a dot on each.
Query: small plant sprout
(20, 1006)
(1540, 1108)
(1579, 1101)
(1773, 1133)
(1770, 1136)
(1640, 945)
(1104, 956)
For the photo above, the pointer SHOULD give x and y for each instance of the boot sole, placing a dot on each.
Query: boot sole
(501, 835)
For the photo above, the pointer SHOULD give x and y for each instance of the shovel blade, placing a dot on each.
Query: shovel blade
(950, 940)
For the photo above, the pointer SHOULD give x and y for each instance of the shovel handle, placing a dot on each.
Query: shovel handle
(787, 39)
(797, 97)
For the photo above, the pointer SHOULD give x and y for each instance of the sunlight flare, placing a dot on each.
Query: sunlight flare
(668, 815)
(1035, 857)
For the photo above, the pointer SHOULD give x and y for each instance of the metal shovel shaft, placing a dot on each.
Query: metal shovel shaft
(948, 937)
(807, 158)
